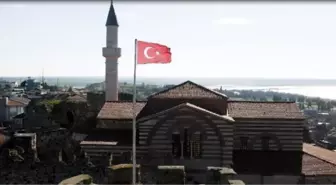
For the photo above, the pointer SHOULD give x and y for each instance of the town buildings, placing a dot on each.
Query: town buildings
(10, 107)
(186, 126)
(191, 126)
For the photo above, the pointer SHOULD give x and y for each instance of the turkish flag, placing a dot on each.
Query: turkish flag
(152, 53)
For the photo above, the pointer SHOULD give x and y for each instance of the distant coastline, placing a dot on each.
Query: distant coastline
(204, 81)
(308, 87)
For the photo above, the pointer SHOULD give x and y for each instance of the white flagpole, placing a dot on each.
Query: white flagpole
(134, 116)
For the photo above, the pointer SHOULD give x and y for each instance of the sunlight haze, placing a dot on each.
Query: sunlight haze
(214, 39)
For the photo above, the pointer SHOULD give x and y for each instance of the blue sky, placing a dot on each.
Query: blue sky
(214, 39)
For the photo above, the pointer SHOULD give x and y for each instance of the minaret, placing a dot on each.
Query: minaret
(111, 53)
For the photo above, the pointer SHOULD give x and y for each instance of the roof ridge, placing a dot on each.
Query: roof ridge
(186, 82)
(272, 110)
(125, 101)
(253, 101)
(317, 156)
(188, 105)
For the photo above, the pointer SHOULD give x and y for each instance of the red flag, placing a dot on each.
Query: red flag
(152, 53)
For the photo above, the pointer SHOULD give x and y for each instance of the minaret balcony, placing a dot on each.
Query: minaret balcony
(111, 52)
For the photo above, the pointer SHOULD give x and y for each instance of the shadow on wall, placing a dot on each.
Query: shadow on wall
(70, 119)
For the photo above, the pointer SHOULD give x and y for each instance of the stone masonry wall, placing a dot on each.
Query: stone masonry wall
(42, 173)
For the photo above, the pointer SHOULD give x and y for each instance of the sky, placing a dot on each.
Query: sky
(209, 39)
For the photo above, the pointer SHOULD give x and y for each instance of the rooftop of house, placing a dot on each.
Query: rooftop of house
(264, 110)
(121, 110)
(76, 98)
(14, 103)
(187, 90)
(318, 161)
(21, 100)
(108, 137)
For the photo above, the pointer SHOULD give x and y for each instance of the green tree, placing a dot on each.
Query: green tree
(277, 98)
(292, 99)
(263, 99)
(329, 106)
(309, 103)
(301, 99)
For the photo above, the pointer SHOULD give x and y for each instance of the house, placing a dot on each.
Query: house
(318, 165)
(10, 107)
(192, 126)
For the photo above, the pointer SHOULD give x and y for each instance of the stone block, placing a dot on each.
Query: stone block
(79, 179)
(122, 174)
(170, 175)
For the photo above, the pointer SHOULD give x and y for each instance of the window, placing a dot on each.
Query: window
(176, 145)
(196, 146)
(244, 143)
(186, 144)
(190, 148)
(265, 142)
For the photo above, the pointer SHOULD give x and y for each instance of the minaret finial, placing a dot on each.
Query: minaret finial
(112, 17)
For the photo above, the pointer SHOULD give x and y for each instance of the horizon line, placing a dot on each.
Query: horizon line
(178, 77)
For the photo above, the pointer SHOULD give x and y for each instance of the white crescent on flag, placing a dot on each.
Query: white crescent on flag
(146, 52)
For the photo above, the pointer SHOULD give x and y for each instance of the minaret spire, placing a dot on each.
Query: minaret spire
(112, 17)
(111, 53)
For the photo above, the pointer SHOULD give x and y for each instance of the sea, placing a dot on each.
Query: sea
(324, 88)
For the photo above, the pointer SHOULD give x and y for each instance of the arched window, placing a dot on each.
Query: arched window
(176, 145)
(196, 145)
(187, 147)
(244, 143)
(265, 142)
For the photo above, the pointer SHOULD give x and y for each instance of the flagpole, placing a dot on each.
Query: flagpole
(134, 116)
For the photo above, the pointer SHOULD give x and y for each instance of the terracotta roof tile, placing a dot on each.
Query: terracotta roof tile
(119, 110)
(14, 103)
(322, 153)
(188, 90)
(318, 161)
(76, 98)
(21, 100)
(190, 106)
(314, 166)
(264, 110)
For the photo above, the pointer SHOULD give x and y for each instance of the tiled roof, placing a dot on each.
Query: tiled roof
(322, 153)
(190, 106)
(21, 100)
(188, 90)
(236, 109)
(14, 103)
(318, 161)
(119, 110)
(264, 110)
(76, 98)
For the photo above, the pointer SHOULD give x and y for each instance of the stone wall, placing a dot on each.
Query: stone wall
(47, 173)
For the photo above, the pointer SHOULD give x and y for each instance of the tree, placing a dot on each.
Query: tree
(301, 99)
(292, 99)
(263, 99)
(309, 103)
(329, 106)
(277, 98)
